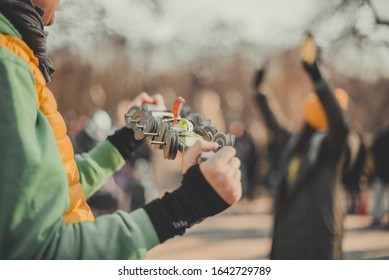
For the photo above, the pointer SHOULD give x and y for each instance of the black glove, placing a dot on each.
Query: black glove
(124, 140)
(313, 71)
(258, 77)
(190, 204)
(259, 74)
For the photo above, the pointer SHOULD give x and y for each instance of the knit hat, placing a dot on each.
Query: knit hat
(313, 110)
(99, 125)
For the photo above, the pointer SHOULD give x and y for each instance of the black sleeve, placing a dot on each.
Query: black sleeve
(124, 140)
(270, 119)
(271, 122)
(190, 204)
(337, 128)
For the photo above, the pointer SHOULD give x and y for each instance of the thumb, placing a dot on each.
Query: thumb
(224, 155)
(202, 146)
(143, 98)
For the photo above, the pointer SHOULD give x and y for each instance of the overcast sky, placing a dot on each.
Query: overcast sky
(191, 27)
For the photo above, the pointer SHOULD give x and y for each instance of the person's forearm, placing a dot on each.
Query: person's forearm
(177, 211)
(117, 236)
(337, 129)
(105, 159)
(269, 117)
(97, 165)
(336, 123)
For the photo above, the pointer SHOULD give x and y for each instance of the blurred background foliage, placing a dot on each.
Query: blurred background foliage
(107, 52)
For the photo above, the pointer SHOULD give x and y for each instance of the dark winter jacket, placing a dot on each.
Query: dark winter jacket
(309, 214)
(380, 151)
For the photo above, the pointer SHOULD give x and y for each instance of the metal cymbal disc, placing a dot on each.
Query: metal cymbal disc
(231, 140)
(149, 124)
(129, 115)
(196, 118)
(136, 118)
(161, 131)
(210, 130)
(139, 130)
(168, 140)
(175, 146)
(200, 131)
(220, 138)
(156, 123)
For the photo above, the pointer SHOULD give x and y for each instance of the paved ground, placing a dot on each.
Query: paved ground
(244, 232)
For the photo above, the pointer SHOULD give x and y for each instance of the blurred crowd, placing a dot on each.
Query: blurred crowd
(317, 165)
(290, 167)
(276, 168)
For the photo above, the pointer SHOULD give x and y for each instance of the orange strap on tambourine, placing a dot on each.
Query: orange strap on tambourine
(177, 107)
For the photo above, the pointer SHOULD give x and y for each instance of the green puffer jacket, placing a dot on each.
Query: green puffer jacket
(34, 187)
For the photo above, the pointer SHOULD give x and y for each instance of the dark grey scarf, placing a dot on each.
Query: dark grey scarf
(27, 19)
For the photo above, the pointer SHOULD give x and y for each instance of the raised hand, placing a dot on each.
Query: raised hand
(144, 98)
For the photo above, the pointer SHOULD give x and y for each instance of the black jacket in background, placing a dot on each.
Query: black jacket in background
(380, 151)
(309, 217)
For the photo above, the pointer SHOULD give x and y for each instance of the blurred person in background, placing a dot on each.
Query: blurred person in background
(354, 162)
(278, 134)
(309, 210)
(247, 152)
(96, 130)
(380, 151)
(136, 178)
(208, 104)
(130, 179)
(44, 187)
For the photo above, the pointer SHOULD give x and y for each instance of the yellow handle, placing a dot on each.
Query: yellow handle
(308, 50)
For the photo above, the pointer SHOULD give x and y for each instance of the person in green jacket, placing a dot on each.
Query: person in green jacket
(34, 181)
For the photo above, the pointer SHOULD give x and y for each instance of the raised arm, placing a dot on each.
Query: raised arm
(337, 128)
(262, 101)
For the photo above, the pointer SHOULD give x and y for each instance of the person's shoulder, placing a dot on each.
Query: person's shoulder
(14, 73)
(11, 62)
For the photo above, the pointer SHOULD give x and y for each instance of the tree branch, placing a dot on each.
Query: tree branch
(375, 13)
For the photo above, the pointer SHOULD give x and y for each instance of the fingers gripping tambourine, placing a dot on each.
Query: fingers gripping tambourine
(171, 132)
